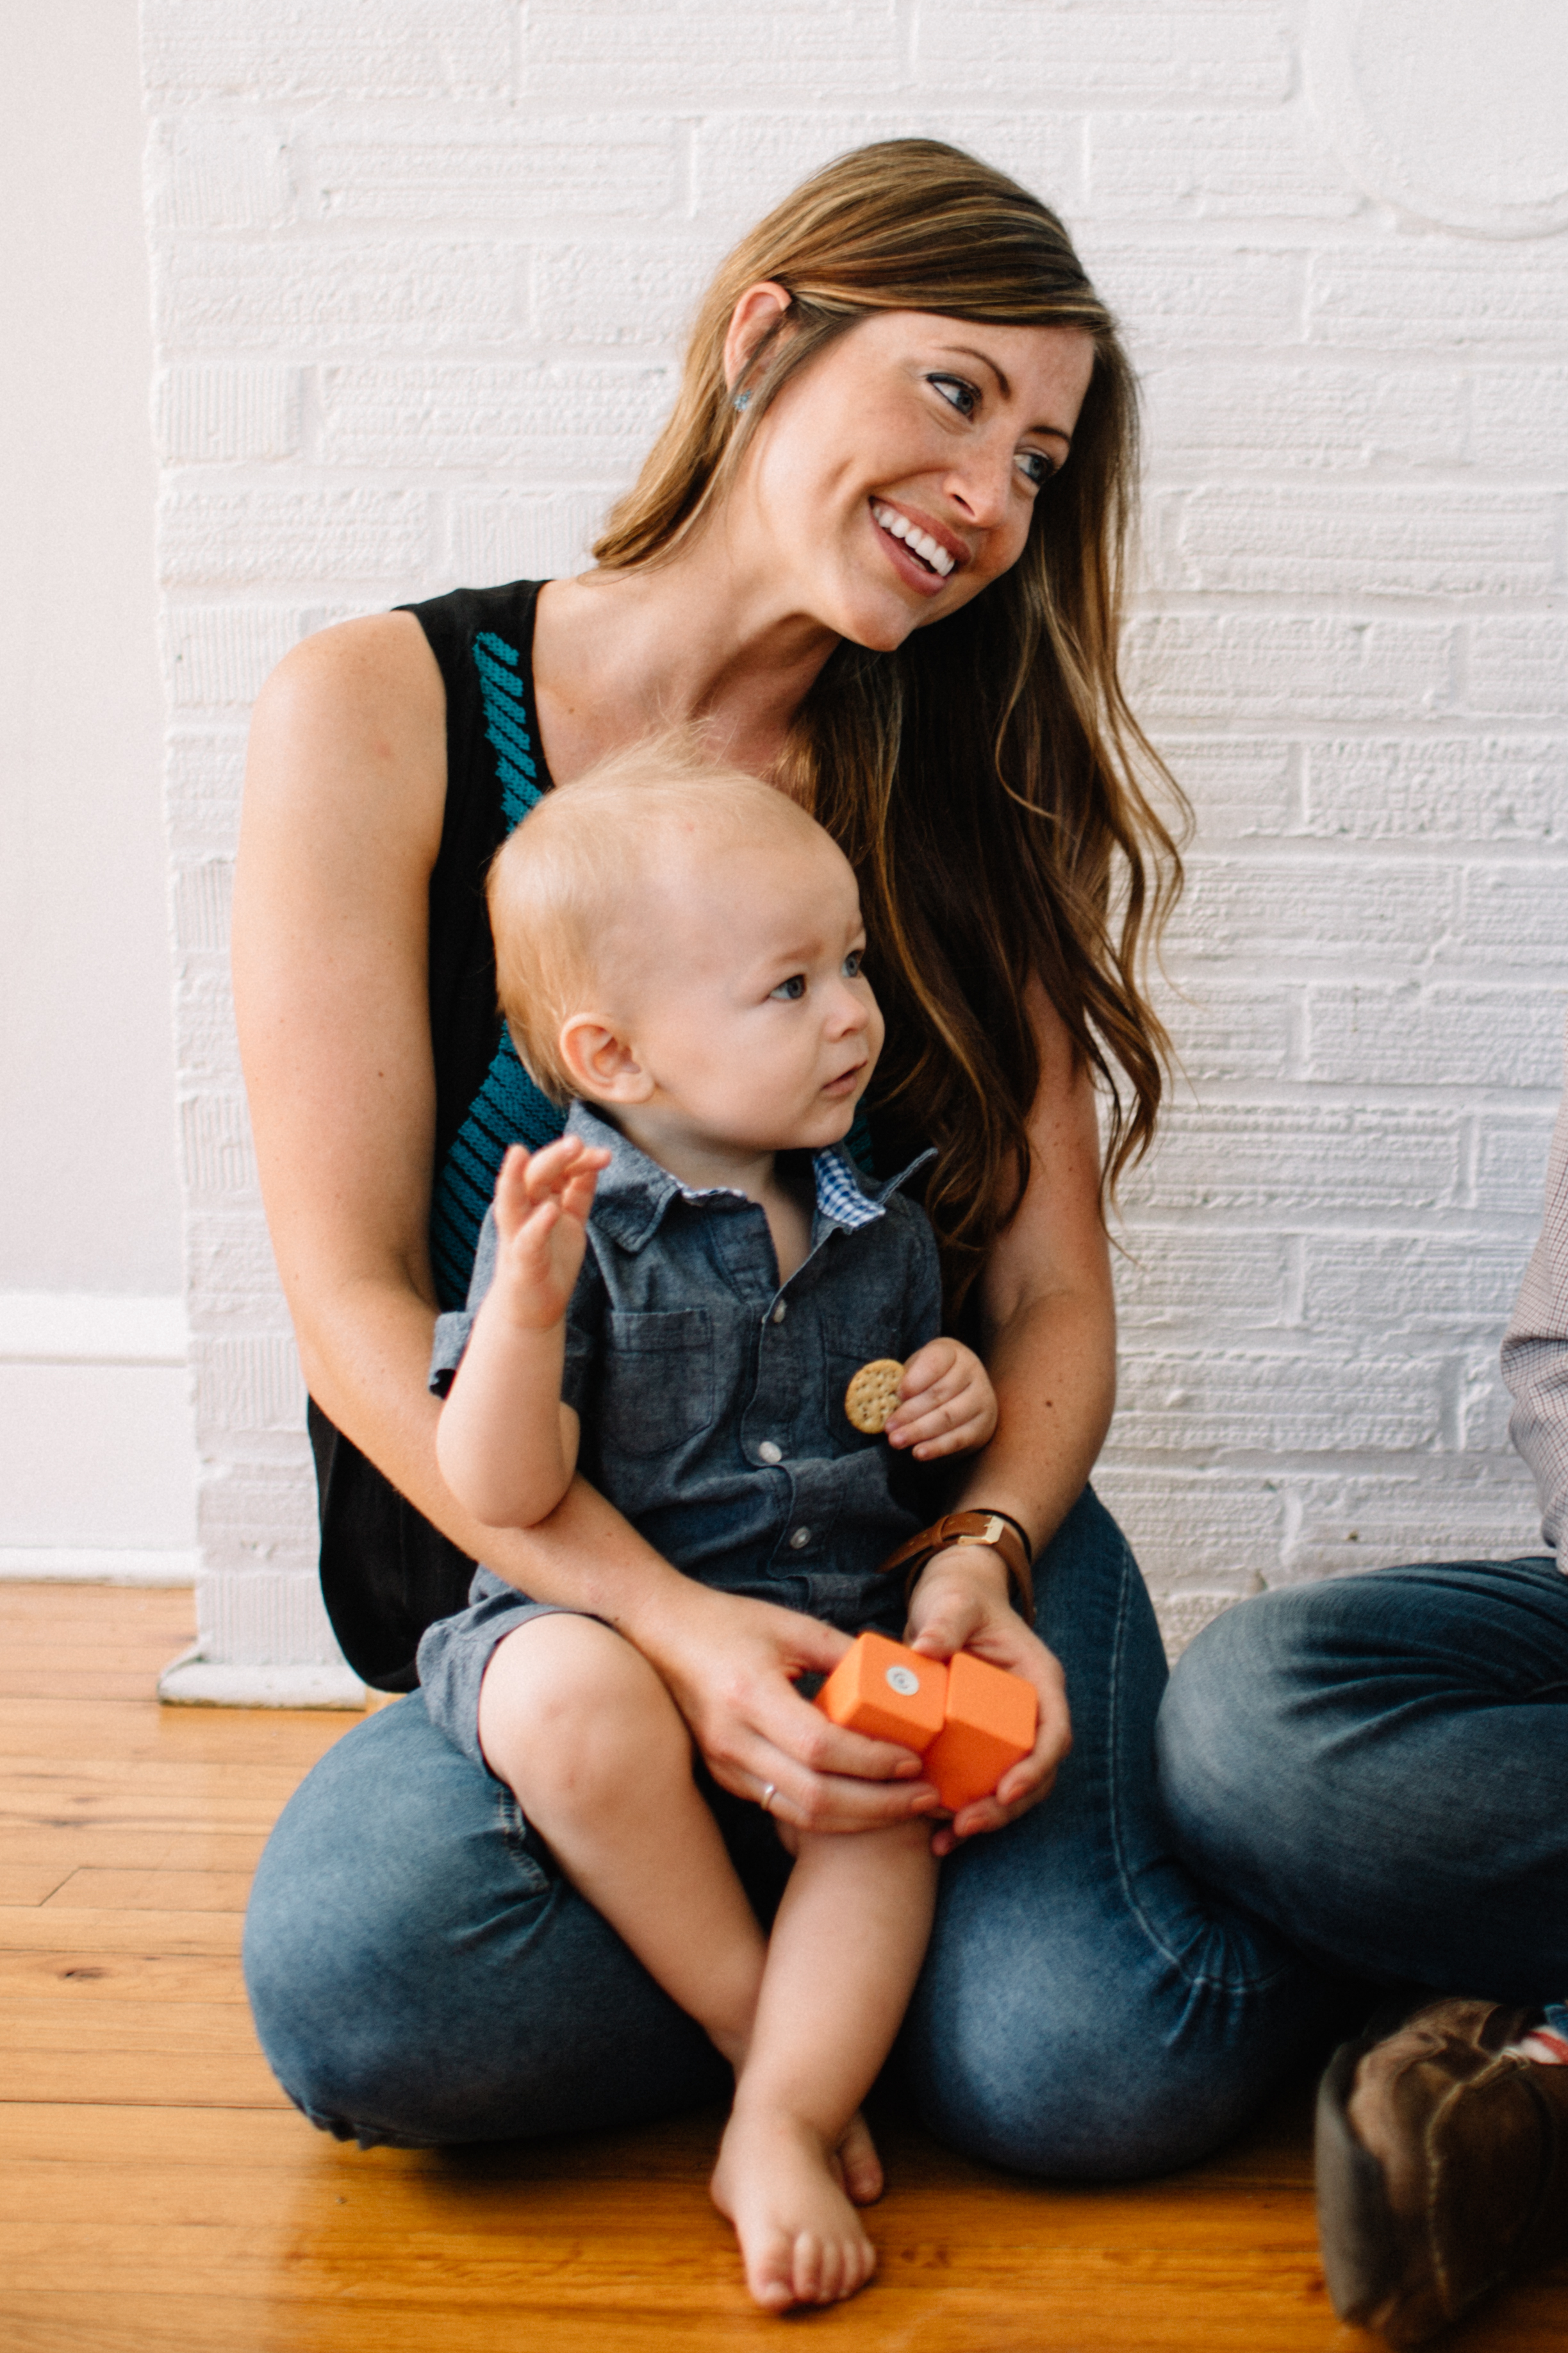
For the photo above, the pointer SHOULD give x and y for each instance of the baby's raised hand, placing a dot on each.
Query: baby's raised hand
(946, 1403)
(542, 1205)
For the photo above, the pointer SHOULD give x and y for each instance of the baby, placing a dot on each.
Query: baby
(680, 950)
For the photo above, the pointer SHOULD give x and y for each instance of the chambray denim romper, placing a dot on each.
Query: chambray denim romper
(711, 1398)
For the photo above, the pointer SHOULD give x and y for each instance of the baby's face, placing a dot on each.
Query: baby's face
(750, 1012)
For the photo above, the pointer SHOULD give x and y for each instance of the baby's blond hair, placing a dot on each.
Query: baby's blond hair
(580, 861)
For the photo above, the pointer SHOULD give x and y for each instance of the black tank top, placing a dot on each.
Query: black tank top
(386, 1574)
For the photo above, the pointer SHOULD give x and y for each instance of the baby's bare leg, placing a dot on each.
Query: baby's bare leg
(842, 1962)
(579, 1724)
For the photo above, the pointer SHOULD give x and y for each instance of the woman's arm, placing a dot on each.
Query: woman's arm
(1049, 1315)
(1049, 1307)
(344, 794)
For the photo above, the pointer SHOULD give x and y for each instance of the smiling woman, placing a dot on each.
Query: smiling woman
(919, 349)
(875, 557)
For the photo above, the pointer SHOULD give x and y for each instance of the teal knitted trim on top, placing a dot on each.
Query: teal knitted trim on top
(506, 724)
(508, 1108)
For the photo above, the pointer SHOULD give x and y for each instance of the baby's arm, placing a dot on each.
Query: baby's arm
(946, 1403)
(506, 1443)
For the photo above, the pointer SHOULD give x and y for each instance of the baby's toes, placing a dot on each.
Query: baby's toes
(854, 2261)
(771, 2272)
(814, 2268)
(859, 2166)
(859, 2261)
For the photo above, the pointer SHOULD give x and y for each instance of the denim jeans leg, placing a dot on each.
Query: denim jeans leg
(1087, 2010)
(419, 1973)
(1377, 1765)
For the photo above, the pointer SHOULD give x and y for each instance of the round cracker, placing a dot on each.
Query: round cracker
(873, 1394)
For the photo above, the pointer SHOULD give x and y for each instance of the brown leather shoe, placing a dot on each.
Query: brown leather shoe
(1442, 2168)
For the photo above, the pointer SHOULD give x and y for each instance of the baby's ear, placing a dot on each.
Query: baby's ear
(601, 1065)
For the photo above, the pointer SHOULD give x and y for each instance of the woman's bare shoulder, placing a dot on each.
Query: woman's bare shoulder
(342, 824)
(351, 726)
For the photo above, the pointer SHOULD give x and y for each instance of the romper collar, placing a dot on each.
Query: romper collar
(634, 1192)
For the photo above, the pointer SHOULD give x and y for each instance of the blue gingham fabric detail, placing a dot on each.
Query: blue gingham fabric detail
(838, 1194)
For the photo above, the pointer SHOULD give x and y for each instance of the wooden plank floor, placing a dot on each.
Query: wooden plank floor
(156, 2191)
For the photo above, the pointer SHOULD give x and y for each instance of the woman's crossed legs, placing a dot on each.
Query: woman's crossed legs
(422, 1972)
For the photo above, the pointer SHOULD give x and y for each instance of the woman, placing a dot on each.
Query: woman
(876, 550)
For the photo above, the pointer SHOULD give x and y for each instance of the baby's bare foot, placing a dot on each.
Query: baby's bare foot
(800, 2239)
(856, 2164)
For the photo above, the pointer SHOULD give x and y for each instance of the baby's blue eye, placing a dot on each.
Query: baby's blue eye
(853, 962)
(792, 990)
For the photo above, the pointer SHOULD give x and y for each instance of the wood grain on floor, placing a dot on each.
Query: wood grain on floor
(157, 2190)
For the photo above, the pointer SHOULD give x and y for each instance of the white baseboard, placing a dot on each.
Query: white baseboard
(191, 1681)
(98, 1460)
(90, 1564)
(88, 1327)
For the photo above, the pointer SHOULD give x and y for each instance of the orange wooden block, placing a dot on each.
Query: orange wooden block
(990, 1723)
(888, 1692)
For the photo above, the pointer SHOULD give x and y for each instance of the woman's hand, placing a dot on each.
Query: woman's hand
(729, 1664)
(946, 1403)
(960, 1604)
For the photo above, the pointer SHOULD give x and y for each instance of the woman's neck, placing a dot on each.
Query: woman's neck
(618, 653)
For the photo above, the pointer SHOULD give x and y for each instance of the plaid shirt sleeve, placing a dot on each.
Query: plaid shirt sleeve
(1535, 1350)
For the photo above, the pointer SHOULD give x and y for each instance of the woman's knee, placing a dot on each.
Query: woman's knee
(1035, 2088)
(357, 1911)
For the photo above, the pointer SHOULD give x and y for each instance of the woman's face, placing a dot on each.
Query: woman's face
(895, 478)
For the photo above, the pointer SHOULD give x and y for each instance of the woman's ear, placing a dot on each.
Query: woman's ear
(601, 1064)
(759, 310)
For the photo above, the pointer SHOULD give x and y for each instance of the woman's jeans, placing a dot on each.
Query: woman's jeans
(420, 1971)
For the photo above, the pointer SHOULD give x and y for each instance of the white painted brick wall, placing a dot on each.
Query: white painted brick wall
(421, 271)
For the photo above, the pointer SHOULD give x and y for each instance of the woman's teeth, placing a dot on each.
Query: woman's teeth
(928, 550)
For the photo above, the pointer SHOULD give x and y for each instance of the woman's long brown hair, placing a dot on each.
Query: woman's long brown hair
(988, 778)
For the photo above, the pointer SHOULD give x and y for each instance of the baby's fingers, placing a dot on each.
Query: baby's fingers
(577, 1197)
(530, 1244)
(948, 1427)
(965, 1437)
(927, 1411)
(551, 1170)
(926, 1370)
(512, 1200)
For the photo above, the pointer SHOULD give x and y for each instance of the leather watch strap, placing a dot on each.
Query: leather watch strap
(994, 1530)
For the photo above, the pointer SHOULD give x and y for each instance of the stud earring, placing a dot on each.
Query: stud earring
(743, 400)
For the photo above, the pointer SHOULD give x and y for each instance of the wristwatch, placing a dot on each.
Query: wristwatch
(996, 1529)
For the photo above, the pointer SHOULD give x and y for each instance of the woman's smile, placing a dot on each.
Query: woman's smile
(936, 552)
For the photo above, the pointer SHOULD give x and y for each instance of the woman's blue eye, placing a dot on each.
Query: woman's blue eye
(852, 964)
(1037, 468)
(792, 990)
(955, 392)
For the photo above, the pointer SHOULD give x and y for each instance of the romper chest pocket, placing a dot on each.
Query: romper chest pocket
(658, 1387)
